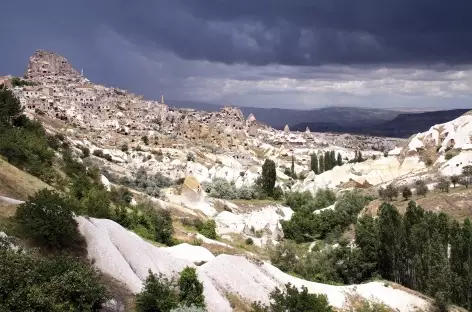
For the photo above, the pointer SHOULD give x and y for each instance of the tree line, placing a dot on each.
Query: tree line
(328, 160)
(421, 250)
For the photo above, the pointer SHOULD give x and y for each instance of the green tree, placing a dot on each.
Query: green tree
(443, 184)
(268, 176)
(145, 140)
(10, 106)
(406, 192)
(208, 229)
(421, 188)
(292, 169)
(158, 295)
(314, 163)
(47, 218)
(339, 160)
(321, 164)
(454, 180)
(293, 300)
(191, 289)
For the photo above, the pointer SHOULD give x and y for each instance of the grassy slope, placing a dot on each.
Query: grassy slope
(456, 203)
(18, 184)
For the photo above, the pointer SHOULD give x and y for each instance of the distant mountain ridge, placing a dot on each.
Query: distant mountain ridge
(402, 126)
(279, 117)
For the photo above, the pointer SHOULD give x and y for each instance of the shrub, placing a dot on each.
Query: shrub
(47, 218)
(85, 152)
(208, 229)
(191, 289)
(249, 241)
(421, 188)
(388, 193)
(443, 184)
(124, 148)
(30, 283)
(158, 295)
(145, 140)
(449, 155)
(406, 192)
(291, 299)
(98, 153)
(454, 180)
(190, 156)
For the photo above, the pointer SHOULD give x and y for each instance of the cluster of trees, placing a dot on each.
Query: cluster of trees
(307, 226)
(161, 294)
(325, 162)
(391, 192)
(18, 82)
(357, 157)
(422, 250)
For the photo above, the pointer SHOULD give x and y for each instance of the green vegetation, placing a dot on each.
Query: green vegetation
(326, 161)
(293, 300)
(207, 229)
(47, 219)
(24, 142)
(306, 226)
(191, 289)
(29, 283)
(268, 177)
(18, 82)
(421, 250)
(388, 193)
(150, 184)
(161, 295)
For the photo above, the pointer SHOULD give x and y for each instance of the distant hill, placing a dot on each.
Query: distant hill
(278, 117)
(402, 126)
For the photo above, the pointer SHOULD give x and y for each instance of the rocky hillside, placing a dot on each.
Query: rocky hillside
(402, 126)
(224, 192)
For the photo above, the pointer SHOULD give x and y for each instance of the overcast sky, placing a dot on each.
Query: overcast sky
(267, 53)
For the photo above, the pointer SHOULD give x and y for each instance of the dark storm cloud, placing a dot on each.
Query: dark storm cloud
(304, 32)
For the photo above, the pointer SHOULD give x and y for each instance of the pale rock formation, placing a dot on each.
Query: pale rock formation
(105, 182)
(374, 172)
(454, 165)
(286, 129)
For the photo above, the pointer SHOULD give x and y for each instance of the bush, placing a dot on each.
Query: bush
(249, 241)
(30, 283)
(449, 155)
(158, 295)
(208, 229)
(268, 177)
(389, 193)
(454, 180)
(191, 289)
(291, 299)
(145, 140)
(443, 184)
(47, 219)
(406, 192)
(421, 188)
(190, 157)
(124, 148)
(98, 153)
(85, 152)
